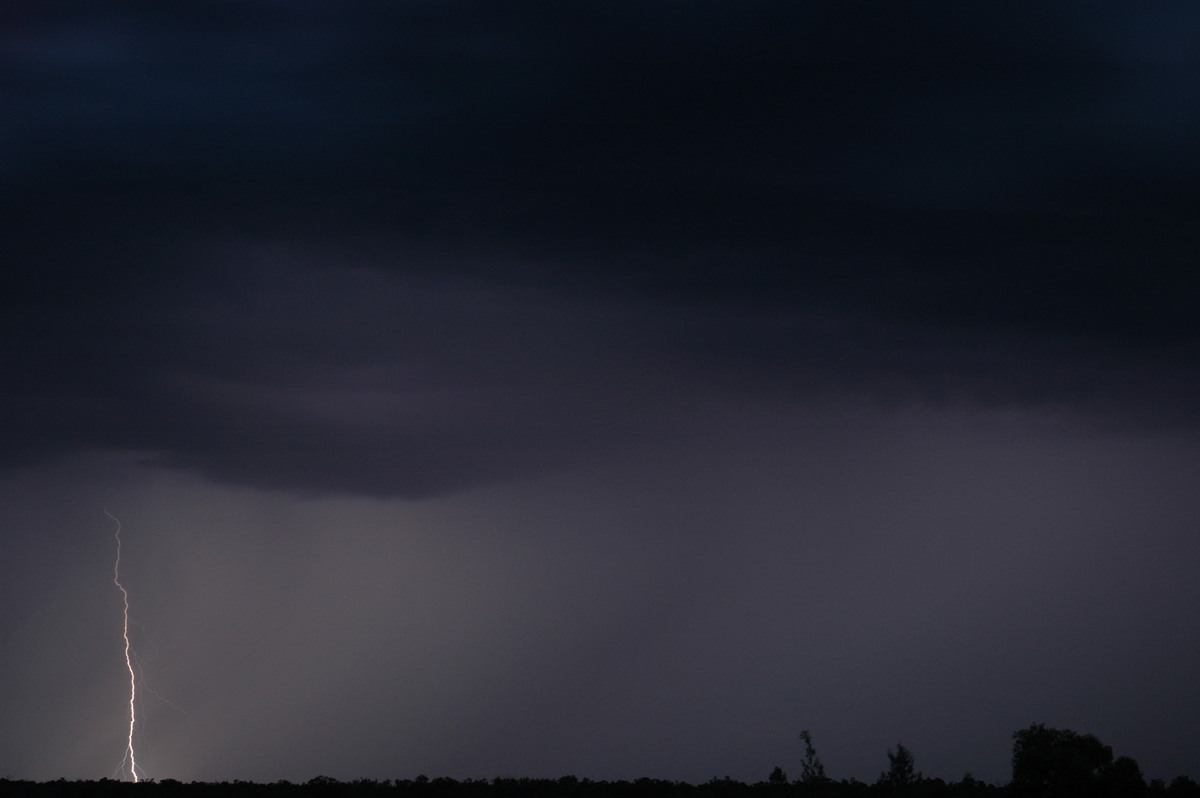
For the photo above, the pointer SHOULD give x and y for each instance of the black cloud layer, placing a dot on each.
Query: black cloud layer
(401, 248)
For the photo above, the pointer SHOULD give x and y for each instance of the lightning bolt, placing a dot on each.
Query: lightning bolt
(130, 757)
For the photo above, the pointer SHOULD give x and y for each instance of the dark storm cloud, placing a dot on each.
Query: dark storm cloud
(402, 248)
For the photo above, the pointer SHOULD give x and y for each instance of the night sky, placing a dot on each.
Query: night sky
(607, 388)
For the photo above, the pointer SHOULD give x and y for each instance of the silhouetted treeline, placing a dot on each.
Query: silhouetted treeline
(1046, 763)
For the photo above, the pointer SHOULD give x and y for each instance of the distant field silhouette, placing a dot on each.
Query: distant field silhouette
(1046, 763)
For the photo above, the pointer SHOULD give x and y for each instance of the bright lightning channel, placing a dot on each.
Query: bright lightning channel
(130, 757)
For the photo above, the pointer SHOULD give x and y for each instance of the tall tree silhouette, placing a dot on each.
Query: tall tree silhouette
(900, 772)
(812, 770)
